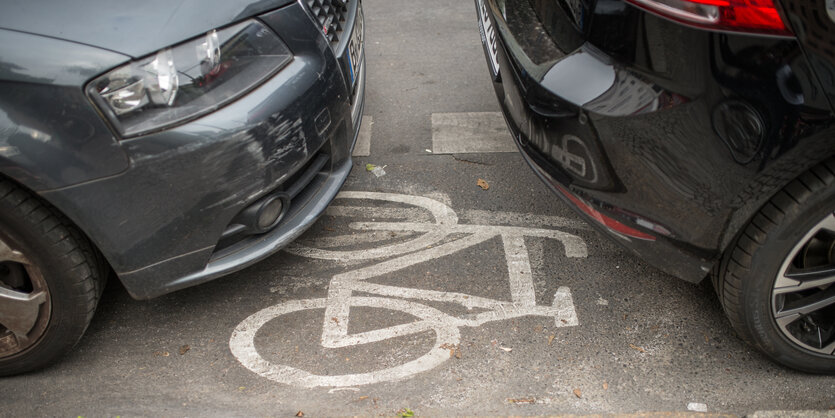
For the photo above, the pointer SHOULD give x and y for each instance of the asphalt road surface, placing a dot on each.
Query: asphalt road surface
(421, 290)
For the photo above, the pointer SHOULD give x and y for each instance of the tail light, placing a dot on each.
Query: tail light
(753, 16)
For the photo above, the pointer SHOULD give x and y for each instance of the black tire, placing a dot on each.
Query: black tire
(52, 264)
(791, 235)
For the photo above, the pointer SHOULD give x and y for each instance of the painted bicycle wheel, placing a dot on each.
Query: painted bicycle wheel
(242, 343)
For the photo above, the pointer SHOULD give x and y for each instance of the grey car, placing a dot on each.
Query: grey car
(166, 143)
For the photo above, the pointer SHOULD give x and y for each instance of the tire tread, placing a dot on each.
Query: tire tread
(82, 270)
(737, 265)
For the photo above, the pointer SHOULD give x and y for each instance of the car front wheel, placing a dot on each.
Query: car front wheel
(50, 282)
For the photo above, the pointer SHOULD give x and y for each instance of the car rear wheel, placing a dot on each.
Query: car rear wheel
(50, 282)
(777, 284)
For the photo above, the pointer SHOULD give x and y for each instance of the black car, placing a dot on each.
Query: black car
(170, 145)
(697, 133)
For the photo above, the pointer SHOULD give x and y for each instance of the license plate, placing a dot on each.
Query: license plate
(488, 38)
(356, 44)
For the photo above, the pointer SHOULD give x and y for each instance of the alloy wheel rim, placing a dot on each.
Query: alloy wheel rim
(25, 306)
(803, 296)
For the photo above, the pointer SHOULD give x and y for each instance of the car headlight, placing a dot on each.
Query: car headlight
(190, 79)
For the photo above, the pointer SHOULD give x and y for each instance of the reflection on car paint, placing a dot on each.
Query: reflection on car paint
(570, 152)
(628, 95)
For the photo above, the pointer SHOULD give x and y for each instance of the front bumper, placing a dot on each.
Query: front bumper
(160, 223)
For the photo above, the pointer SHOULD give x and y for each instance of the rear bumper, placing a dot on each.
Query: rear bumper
(164, 223)
(616, 110)
(612, 221)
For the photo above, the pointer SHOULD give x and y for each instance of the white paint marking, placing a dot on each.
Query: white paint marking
(411, 214)
(432, 244)
(243, 347)
(354, 239)
(574, 246)
(470, 216)
(475, 216)
(334, 390)
(519, 269)
(564, 313)
(696, 407)
(472, 132)
(363, 146)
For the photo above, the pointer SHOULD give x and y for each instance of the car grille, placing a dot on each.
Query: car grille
(332, 16)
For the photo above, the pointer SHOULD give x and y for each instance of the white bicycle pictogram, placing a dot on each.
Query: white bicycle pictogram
(443, 236)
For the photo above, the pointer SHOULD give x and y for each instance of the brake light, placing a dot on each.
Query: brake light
(754, 16)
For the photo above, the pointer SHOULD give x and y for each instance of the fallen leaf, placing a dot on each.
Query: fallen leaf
(577, 393)
(300, 414)
(707, 339)
(161, 353)
(329, 229)
(635, 347)
(362, 398)
(335, 319)
(483, 184)
(184, 349)
(564, 321)
(454, 351)
(551, 339)
(405, 412)
(605, 386)
(522, 400)
(370, 167)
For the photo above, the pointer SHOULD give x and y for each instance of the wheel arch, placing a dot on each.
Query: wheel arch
(105, 268)
(768, 183)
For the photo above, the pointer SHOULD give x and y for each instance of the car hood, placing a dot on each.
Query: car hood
(133, 28)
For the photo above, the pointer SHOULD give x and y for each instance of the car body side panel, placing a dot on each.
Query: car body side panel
(814, 23)
(641, 126)
(50, 135)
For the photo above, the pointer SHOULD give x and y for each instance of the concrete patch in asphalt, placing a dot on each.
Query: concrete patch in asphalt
(470, 132)
(363, 146)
